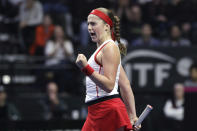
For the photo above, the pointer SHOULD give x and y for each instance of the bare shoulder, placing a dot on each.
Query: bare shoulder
(111, 47)
(111, 53)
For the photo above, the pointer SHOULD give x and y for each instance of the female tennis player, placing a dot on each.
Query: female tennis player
(106, 111)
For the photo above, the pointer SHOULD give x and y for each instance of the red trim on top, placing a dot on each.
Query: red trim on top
(97, 91)
(97, 86)
(97, 54)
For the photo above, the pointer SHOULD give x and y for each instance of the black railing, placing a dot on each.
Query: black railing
(41, 125)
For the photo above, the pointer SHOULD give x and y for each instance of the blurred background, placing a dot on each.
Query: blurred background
(42, 89)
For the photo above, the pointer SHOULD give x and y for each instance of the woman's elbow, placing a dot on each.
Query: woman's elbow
(110, 88)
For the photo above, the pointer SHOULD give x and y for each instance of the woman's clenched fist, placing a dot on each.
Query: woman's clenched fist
(81, 61)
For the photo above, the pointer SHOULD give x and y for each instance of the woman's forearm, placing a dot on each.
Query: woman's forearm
(129, 100)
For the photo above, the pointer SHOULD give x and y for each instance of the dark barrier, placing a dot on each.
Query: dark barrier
(41, 125)
(190, 108)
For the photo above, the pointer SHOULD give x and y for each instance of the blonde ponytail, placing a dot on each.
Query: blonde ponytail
(122, 47)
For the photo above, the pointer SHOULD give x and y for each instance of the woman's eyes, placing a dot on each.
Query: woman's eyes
(91, 23)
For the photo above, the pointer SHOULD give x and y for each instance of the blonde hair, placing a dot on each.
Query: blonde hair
(116, 28)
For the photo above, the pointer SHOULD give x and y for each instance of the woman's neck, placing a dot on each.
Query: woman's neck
(100, 42)
(59, 39)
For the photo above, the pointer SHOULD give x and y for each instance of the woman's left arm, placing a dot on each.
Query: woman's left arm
(128, 97)
(127, 94)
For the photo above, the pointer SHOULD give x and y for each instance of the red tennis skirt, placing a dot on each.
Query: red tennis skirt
(108, 115)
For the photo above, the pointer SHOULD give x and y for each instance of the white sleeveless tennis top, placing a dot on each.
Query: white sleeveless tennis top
(93, 91)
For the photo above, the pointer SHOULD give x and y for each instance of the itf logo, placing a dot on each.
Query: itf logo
(153, 68)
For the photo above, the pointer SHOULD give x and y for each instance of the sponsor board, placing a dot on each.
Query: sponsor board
(158, 67)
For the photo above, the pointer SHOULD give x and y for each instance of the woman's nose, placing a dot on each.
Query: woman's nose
(89, 27)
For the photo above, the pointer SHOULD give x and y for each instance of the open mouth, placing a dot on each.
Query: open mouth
(92, 34)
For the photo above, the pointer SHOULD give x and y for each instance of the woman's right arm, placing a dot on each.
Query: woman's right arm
(110, 61)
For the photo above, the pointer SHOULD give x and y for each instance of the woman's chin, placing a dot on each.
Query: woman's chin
(94, 40)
